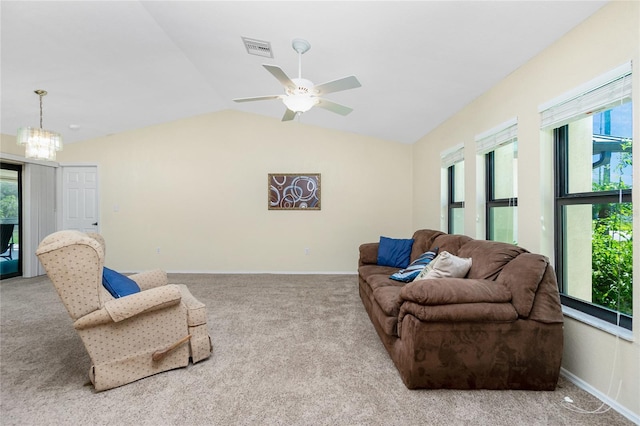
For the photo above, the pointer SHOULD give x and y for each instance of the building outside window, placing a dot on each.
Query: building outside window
(593, 205)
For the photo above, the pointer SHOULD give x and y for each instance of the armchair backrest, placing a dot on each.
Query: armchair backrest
(74, 261)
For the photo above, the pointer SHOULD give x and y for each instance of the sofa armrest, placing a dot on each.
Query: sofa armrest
(150, 279)
(145, 301)
(368, 254)
(462, 312)
(450, 291)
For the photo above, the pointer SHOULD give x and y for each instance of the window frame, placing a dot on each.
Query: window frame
(451, 196)
(563, 198)
(490, 200)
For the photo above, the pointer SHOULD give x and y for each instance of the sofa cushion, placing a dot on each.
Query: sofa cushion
(388, 298)
(463, 312)
(367, 271)
(410, 272)
(446, 265)
(423, 241)
(522, 276)
(380, 280)
(394, 252)
(450, 242)
(117, 284)
(489, 257)
(447, 291)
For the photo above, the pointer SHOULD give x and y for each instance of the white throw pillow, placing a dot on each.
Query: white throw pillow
(446, 265)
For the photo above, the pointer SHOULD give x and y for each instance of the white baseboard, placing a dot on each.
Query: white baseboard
(602, 397)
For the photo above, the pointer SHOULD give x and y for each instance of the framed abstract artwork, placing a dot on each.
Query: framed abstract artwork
(294, 191)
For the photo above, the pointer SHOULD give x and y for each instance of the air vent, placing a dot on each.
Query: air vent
(258, 47)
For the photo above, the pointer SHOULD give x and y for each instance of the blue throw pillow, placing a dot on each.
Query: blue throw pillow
(394, 252)
(412, 271)
(117, 284)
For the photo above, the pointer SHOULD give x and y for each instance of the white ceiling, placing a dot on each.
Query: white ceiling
(113, 66)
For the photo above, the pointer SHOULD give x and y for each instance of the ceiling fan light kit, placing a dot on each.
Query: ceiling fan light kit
(301, 94)
(40, 144)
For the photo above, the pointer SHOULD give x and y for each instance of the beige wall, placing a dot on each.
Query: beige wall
(197, 189)
(8, 145)
(608, 39)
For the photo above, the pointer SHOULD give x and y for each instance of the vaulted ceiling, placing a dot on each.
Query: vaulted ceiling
(112, 66)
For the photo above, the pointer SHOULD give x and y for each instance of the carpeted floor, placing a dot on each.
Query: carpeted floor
(288, 350)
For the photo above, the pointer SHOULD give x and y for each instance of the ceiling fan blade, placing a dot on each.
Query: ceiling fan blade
(257, 98)
(345, 83)
(334, 107)
(281, 76)
(288, 115)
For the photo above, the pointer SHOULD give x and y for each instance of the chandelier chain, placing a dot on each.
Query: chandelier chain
(40, 93)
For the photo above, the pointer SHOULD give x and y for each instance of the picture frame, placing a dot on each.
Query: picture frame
(293, 191)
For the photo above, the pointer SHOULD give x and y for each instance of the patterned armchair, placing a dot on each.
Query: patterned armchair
(157, 329)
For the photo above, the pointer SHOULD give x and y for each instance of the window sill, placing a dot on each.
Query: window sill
(605, 326)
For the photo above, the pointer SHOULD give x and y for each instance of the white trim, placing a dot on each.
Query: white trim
(500, 127)
(605, 326)
(613, 88)
(602, 397)
(453, 155)
(597, 82)
(19, 159)
(500, 135)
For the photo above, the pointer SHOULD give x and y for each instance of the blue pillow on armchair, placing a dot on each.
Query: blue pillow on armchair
(117, 284)
(394, 252)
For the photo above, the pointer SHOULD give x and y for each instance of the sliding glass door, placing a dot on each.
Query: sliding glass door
(10, 214)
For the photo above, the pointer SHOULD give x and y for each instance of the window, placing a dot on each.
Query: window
(593, 206)
(501, 192)
(10, 214)
(500, 149)
(456, 198)
(453, 164)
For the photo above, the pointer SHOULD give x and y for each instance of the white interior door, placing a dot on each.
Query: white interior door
(80, 202)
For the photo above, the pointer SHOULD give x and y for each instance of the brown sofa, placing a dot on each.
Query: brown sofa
(500, 327)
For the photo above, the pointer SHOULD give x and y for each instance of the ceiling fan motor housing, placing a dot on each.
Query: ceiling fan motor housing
(303, 87)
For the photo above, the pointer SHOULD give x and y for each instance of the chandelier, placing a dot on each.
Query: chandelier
(39, 144)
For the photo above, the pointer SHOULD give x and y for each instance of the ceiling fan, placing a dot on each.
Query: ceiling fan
(301, 94)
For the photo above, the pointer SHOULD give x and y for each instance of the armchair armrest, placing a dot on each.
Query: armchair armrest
(150, 279)
(117, 310)
(450, 291)
(368, 254)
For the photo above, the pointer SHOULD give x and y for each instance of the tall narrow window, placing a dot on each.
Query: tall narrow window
(453, 161)
(10, 213)
(500, 149)
(456, 198)
(593, 206)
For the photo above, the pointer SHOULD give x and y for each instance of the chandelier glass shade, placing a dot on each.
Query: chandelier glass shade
(40, 144)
